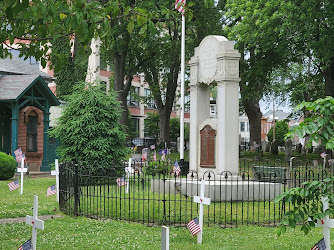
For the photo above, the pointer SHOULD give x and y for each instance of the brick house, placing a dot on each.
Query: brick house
(25, 101)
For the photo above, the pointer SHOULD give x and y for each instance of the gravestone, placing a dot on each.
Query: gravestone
(215, 63)
(274, 148)
(268, 146)
(326, 161)
(298, 148)
(146, 151)
(303, 151)
(258, 155)
(288, 150)
(264, 145)
(317, 150)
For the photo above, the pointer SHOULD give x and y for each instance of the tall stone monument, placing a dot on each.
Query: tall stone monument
(214, 142)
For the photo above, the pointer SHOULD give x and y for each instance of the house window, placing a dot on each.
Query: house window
(132, 98)
(149, 102)
(242, 126)
(32, 133)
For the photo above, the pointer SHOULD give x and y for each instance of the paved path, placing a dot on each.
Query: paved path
(23, 219)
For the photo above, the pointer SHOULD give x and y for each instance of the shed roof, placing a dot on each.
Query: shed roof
(18, 67)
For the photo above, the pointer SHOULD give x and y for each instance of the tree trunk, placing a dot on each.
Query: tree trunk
(254, 114)
(164, 126)
(119, 75)
(329, 79)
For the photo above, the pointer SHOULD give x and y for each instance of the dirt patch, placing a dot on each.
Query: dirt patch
(23, 219)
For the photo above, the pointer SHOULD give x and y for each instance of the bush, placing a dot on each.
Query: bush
(7, 166)
(89, 128)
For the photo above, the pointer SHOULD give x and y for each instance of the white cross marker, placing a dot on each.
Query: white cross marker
(129, 170)
(35, 223)
(56, 173)
(164, 238)
(326, 224)
(202, 201)
(22, 170)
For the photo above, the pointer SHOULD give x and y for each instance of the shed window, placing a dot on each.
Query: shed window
(32, 133)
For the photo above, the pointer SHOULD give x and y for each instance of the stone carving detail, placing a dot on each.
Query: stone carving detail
(207, 60)
(193, 74)
(220, 68)
(232, 67)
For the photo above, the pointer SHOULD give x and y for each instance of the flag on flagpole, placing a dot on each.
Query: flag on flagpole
(25, 246)
(163, 156)
(154, 156)
(152, 147)
(13, 185)
(193, 226)
(179, 5)
(320, 245)
(121, 181)
(51, 190)
(176, 168)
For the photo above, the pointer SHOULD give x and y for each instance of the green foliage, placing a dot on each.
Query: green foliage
(319, 126)
(7, 166)
(89, 129)
(306, 205)
(158, 167)
(151, 125)
(68, 69)
(281, 129)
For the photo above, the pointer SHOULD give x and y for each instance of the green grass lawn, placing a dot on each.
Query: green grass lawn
(83, 233)
(79, 232)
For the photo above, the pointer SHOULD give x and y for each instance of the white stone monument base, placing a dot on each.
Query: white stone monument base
(230, 190)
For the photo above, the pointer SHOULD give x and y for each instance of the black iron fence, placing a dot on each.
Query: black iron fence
(151, 193)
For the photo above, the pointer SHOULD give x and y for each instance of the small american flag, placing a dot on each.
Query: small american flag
(179, 5)
(176, 168)
(51, 190)
(152, 147)
(320, 245)
(25, 246)
(121, 182)
(13, 185)
(18, 155)
(194, 227)
(155, 156)
(144, 156)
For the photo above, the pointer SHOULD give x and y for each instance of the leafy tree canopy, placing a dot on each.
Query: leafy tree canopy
(319, 126)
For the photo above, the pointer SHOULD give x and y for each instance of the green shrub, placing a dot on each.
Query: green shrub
(7, 166)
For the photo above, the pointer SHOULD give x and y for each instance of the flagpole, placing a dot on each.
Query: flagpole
(182, 90)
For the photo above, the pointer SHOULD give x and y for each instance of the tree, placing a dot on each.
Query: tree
(282, 33)
(40, 24)
(261, 50)
(281, 129)
(319, 126)
(69, 68)
(89, 129)
(160, 55)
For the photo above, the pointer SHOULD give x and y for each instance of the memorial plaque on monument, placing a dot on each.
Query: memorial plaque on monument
(207, 147)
